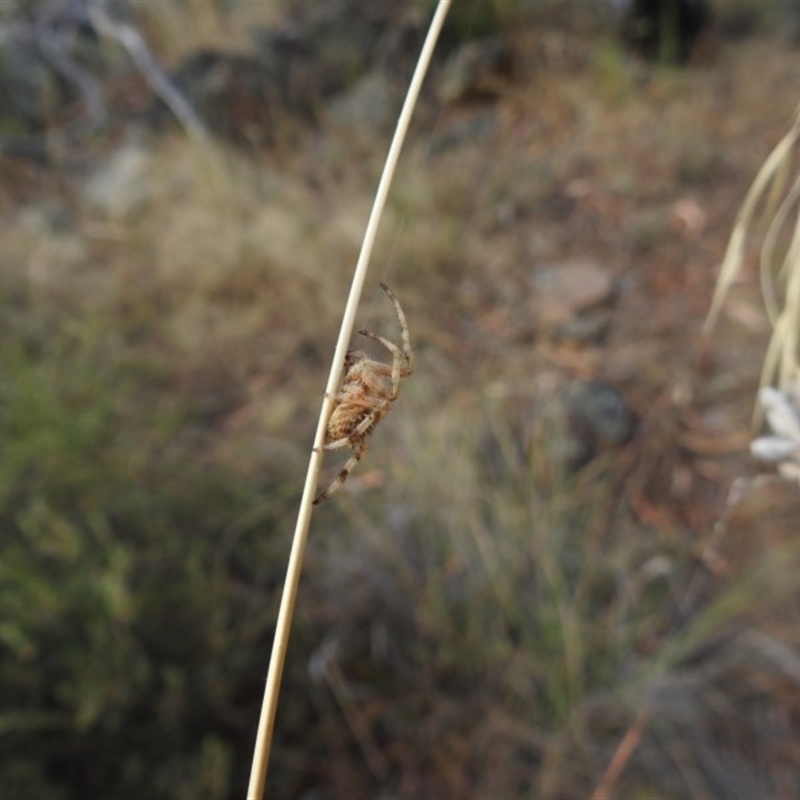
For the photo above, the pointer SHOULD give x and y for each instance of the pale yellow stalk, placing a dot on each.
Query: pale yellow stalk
(258, 773)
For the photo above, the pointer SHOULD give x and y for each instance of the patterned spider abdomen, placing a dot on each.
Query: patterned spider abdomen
(345, 420)
(364, 394)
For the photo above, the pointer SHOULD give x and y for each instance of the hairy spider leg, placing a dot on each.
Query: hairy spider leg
(407, 351)
(358, 454)
(397, 361)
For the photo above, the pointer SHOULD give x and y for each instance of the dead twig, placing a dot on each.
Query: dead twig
(130, 38)
(622, 755)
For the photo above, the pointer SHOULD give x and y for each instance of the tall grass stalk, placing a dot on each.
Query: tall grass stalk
(258, 773)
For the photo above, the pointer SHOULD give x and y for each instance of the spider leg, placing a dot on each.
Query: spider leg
(371, 420)
(397, 360)
(358, 454)
(363, 427)
(408, 353)
(390, 346)
(343, 442)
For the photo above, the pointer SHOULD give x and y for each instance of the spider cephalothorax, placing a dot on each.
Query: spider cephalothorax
(367, 392)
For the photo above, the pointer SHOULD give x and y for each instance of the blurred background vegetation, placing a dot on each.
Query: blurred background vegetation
(547, 579)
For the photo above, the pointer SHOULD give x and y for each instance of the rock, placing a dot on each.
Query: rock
(237, 96)
(591, 327)
(27, 88)
(371, 103)
(43, 237)
(665, 30)
(117, 189)
(475, 71)
(352, 36)
(336, 53)
(599, 415)
(556, 433)
(563, 291)
(49, 57)
(474, 128)
(577, 423)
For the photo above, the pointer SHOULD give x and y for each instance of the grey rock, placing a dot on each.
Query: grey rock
(121, 186)
(563, 291)
(28, 87)
(591, 327)
(598, 416)
(473, 129)
(371, 103)
(559, 432)
(472, 72)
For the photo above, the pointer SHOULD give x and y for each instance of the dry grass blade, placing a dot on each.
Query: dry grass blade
(771, 174)
(769, 251)
(780, 276)
(258, 771)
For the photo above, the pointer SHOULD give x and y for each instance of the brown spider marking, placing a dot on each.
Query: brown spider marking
(366, 395)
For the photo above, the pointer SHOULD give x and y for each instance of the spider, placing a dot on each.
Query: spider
(366, 395)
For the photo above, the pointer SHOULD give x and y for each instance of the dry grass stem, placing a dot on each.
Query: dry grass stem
(267, 719)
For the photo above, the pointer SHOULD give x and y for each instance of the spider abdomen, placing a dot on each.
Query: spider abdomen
(347, 417)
